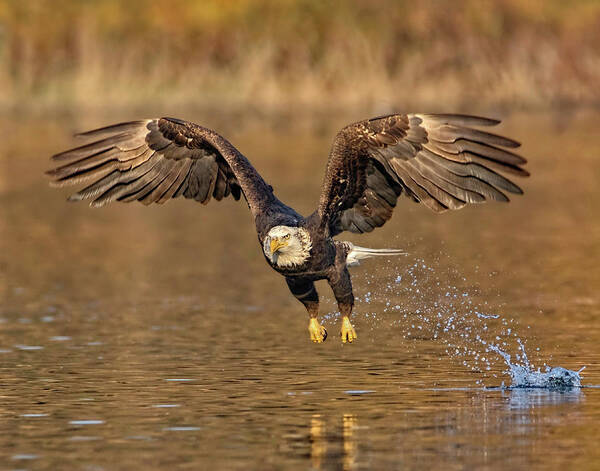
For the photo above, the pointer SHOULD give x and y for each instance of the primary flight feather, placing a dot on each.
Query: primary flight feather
(440, 160)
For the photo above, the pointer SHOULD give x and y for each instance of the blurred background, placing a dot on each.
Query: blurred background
(273, 54)
(157, 335)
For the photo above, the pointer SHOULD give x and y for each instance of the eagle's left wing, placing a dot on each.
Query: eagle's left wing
(439, 160)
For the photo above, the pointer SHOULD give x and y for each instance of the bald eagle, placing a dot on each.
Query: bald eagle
(439, 160)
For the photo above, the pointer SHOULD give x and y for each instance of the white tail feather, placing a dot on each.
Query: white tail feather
(357, 254)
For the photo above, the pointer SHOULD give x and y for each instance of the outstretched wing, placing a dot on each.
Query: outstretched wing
(157, 159)
(439, 160)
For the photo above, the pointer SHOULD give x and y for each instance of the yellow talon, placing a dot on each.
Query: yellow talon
(348, 332)
(318, 334)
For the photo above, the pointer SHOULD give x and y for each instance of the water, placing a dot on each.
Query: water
(526, 376)
(461, 326)
(157, 337)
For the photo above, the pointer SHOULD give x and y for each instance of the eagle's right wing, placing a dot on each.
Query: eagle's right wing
(157, 159)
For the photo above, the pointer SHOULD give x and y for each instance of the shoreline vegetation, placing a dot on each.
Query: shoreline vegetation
(275, 55)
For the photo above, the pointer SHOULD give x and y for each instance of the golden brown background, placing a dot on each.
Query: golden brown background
(280, 53)
(155, 338)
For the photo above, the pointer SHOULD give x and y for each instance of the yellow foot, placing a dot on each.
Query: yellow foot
(348, 332)
(318, 334)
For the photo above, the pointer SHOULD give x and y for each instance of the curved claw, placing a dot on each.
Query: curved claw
(348, 333)
(318, 334)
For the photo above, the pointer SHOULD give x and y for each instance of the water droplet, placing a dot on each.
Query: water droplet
(83, 438)
(24, 456)
(86, 422)
(181, 429)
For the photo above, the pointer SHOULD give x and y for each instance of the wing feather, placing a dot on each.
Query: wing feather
(453, 189)
(123, 141)
(148, 170)
(446, 199)
(181, 172)
(467, 183)
(439, 160)
(421, 193)
(449, 133)
(162, 183)
(463, 120)
(155, 160)
(465, 149)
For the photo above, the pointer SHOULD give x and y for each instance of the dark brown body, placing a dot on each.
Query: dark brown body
(327, 261)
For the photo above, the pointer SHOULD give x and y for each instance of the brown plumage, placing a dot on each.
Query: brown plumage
(440, 160)
(437, 160)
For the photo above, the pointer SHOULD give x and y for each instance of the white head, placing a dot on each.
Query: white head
(287, 246)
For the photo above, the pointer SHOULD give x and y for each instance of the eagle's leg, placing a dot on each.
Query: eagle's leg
(342, 289)
(305, 292)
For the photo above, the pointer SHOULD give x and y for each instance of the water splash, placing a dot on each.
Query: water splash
(525, 376)
(434, 309)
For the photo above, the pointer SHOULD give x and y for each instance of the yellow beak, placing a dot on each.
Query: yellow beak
(276, 244)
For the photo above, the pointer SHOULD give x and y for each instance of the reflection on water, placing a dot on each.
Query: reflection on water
(318, 440)
(530, 398)
(157, 337)
(329, 446)
(350, 447)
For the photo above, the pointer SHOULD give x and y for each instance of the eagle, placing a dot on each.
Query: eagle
(439, 160)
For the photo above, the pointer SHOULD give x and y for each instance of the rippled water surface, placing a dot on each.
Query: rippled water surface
(157, 337)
